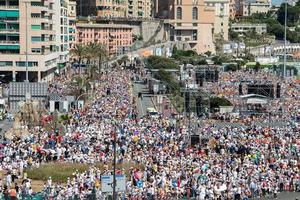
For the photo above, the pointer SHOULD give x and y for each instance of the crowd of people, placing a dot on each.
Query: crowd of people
(227, 163)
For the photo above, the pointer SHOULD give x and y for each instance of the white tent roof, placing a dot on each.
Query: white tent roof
(256, 101)
(253, 96)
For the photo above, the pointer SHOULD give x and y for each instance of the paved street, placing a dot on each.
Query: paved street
(142, 103)
(286, 196)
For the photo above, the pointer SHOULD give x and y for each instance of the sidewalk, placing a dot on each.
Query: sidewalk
(144, 102)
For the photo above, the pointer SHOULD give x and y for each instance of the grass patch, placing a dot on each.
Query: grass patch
(59, 172)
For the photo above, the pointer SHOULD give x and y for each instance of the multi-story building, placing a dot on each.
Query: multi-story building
(255, 6)
(101, 8)
(139, 8)
(221, 22)
(192, 22)
(62, 37)
(72, 23)
(233, 8)
(32, 25)
(246, 27)
(116, 37)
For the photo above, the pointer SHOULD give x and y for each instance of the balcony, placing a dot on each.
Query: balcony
(9, 42)
(9, 30)
(9, 7)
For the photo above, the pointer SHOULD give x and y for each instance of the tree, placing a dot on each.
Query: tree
(79, 51)
(219, 42)
(257, 66)
(216, 102)
(101, 54)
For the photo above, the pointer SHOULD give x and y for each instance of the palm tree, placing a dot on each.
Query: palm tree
(79, 52)
(101, 54)
(91, 50)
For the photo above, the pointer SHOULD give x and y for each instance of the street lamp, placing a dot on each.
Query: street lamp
(26, 40)
(285, 27)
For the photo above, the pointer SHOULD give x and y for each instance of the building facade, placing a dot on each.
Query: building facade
(140, 8)
(192, 22)
(221, 22)
(244, 28)
(72, 23)
(111, 8)
(256, 6)
(116, 37)
(115, 8)
(38, 23)
(233, 9)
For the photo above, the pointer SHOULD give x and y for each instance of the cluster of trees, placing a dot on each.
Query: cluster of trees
(188, 57)
(92, 55)
(275, 23)
(158, 62)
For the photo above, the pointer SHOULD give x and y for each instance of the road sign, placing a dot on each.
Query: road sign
(107, 183)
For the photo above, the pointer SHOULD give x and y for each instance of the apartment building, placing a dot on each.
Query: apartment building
(256, 6)
(41, 21)
(140, 8)
(192, 22)
(116, 37)
(221, 21)
(62, 37)
(72, 23)
(233, 8)
(111, 8)
(243, 28)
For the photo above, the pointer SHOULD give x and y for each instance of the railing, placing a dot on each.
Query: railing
(9, 42)
(9, 7)
(9, 30)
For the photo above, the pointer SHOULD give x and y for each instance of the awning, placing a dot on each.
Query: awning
(256, 101)
(10, 47)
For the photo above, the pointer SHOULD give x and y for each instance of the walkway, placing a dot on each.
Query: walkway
(142, 103)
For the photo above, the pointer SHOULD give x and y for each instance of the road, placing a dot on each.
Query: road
(285, 196)
(142, 103)
(5, 125)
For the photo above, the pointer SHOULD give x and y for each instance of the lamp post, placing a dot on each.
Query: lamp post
(114, 161)
(26, 39)
(285, 27)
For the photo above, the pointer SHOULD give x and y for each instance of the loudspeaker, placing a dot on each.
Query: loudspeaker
(201, 82)
(187, 101)
(216, 75)
(195, 139)
(199, 106)
(240, 89)
(278, 90)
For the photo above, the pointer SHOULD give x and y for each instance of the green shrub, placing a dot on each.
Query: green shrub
(59, 172)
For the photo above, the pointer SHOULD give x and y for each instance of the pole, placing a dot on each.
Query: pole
(26, 43)
(285, 27)
(114, 165)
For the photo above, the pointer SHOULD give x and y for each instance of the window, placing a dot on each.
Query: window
(36, 3)
(179, 2)
(6, 63)
(35, 50)
(36, 27)
(23, 64)
(35, 39)
(35, 15)
(179, 13)
(195, 13)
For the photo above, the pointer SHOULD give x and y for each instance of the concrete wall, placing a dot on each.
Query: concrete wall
(151, 28)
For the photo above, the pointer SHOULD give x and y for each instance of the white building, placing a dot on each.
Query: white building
(44, 25)
(256, 6)
(221, 8)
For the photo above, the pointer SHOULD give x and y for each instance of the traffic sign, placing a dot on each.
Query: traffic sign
(107, 183)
